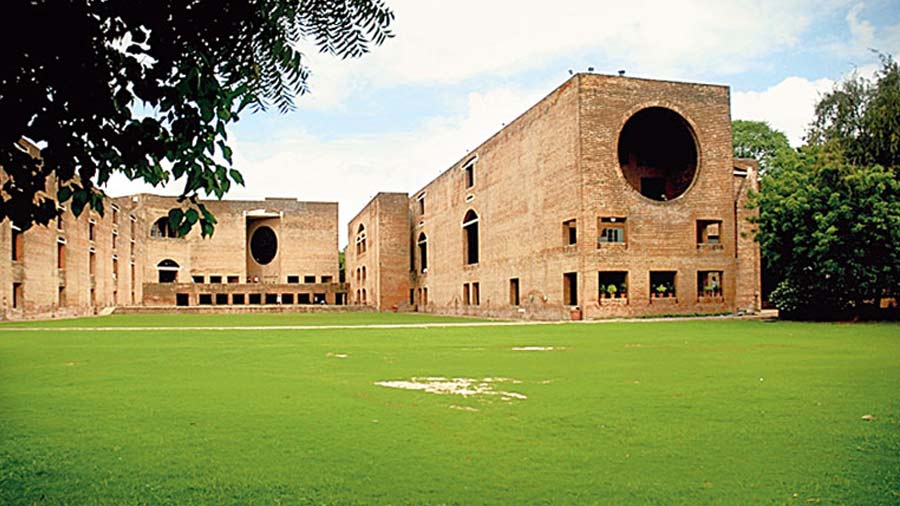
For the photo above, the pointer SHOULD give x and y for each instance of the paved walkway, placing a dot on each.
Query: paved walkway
(765, 315)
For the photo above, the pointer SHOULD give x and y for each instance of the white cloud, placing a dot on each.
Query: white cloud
(350, 170)
(788, 106)
(446, 42)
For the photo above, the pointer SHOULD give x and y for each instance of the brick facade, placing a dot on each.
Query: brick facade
(115, 260)
(543, 191)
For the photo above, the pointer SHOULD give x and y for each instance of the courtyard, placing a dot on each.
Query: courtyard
(677, 412)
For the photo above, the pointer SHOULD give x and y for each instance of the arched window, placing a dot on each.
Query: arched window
(162, 228)
(422, 243)
(168, 271)
(364, 274)
(470, 237)
(361, 239)
(364, 296)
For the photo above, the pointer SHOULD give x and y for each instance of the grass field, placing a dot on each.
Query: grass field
(684, 412)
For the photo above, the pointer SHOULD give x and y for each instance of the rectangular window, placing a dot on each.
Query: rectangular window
(198, 279)
(514, 291)
(420, 201)
(115, 239)
(115, 268)
(131, 247)
(205, 299)
(293, 280)
(61, 296)
(115, 213)
(466, 296)
(309, 279)
(612, 231)
(238, 299)
(318, 298)
(18, 295)
(570, 288)
(271, 298)
(612, 285)
(303, 298)
(476, 293)
(287, 298)
(18, 245)
(570, 232)
(470, 174)
(91, 226)
(255, 298)
(327, 279)
(233, 280)
(60, 255)
(412, 296)
(215, 279)
(182, 299)
(425, 296)
(662, 284)
(709, 232)
(92, 263)
(709, 284)
(221, 299)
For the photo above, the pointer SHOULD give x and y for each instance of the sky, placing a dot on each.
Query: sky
(457, 71)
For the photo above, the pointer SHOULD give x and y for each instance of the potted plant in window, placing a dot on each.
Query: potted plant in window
(611, 291)
(660, 290)
(670, 290)
(623, 291)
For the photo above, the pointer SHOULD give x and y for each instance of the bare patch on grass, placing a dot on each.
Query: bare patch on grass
(538, 348)
(336, 355)
(466, 387)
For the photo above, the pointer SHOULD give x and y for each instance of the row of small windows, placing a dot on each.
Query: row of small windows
(18, 239)
(612, 230)
(239, 299)
(613, 285)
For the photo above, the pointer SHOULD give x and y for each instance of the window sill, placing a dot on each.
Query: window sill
(614, 301)
(663, 300)
(710, 247)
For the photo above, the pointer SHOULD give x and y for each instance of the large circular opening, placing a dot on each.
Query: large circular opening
(263, 245)
(658, 153)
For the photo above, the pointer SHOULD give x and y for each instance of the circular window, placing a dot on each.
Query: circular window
(658, 153)
(263, 245)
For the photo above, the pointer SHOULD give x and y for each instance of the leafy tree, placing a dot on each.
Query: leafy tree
(860, 120)
(829, 222)
(147, 89)
(831, 235)
(757, 140)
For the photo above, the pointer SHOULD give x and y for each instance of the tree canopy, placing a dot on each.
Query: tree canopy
(829, 221)
(757, 140)
(147, 89)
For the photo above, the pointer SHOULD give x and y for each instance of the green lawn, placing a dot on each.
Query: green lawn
(684, 412)
(238, 320)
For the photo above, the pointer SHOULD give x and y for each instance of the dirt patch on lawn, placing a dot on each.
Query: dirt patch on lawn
(466, 387)
(538, 348)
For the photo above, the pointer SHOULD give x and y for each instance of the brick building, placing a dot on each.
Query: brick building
(270, 252)
(612, 196)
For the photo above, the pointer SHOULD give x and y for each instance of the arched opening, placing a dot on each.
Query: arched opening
(364, 274)
(263, 245)
(168, 271)
(364, 296)
(658, 153)
(162, 228)
(422, 243)
(470, 237)
(360, 239)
